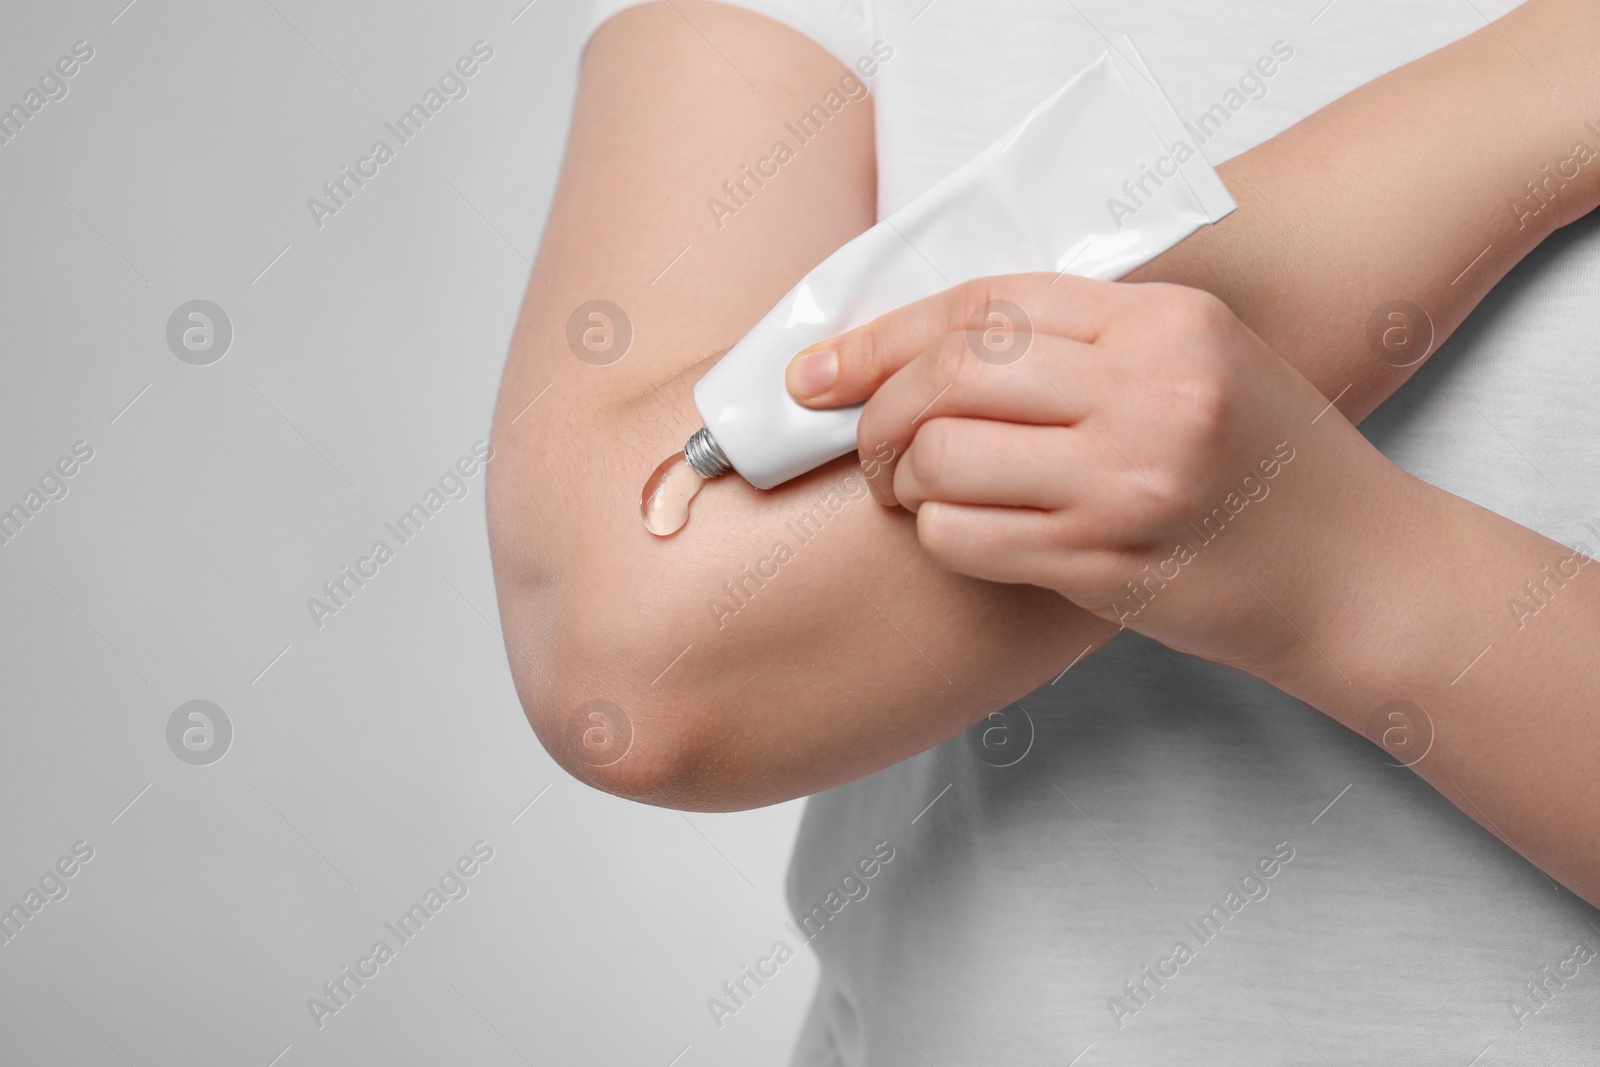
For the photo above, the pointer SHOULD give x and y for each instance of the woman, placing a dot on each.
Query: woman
(1184, 863)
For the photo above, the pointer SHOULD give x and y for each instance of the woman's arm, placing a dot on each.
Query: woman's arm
(857, 650)
(1471, 655)
(1152, 460)
(1427, 184)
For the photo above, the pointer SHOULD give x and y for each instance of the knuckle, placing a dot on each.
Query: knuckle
(860, 353)
(1179, 315)
(954, 362)
(868, 438)
(965, 299)
(945, 357)
(1195, 310)
(1206, 398)
(972, 300)
(926, 459)
(1211, 313)
(1197, 402)
(1170, 494)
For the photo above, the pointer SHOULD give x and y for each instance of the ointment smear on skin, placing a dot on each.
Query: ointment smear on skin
(664, 504)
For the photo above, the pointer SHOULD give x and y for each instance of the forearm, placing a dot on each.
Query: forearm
(747, 675)
(1486, 632)
(775, 647)
(862, 651)
(1413, 187)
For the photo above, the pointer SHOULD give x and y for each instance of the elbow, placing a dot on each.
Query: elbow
(634, 745)
(596, 741)
(587, 687)
(595, 624)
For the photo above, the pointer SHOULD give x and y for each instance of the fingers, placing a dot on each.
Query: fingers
(1018, 546)
(1077, 476)
(1051, 385)
(980, 461)
(1004, 312)
(997, 544)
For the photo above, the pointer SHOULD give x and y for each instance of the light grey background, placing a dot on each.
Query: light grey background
(368, 754)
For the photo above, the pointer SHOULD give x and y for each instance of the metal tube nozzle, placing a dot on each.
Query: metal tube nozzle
(705, 456)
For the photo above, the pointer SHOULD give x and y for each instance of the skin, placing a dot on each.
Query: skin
(864, 650)
(1091, 464)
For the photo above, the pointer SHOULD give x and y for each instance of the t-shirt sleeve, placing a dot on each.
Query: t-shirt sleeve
(840, 26)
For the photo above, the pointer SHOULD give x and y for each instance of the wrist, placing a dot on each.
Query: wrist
(1364, 574)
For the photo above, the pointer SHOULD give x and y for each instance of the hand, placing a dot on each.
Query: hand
(1133, 447)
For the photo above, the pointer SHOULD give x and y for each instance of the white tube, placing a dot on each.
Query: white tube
(1094, 181)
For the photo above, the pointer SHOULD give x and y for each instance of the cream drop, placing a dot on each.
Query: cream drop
(664, 503)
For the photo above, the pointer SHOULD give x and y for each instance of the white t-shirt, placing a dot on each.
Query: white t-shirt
(1034, 913)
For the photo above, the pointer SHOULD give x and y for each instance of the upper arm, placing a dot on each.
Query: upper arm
(839, 652)
(674, 100)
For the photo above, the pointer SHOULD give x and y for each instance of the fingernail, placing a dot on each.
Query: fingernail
(813, 373)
